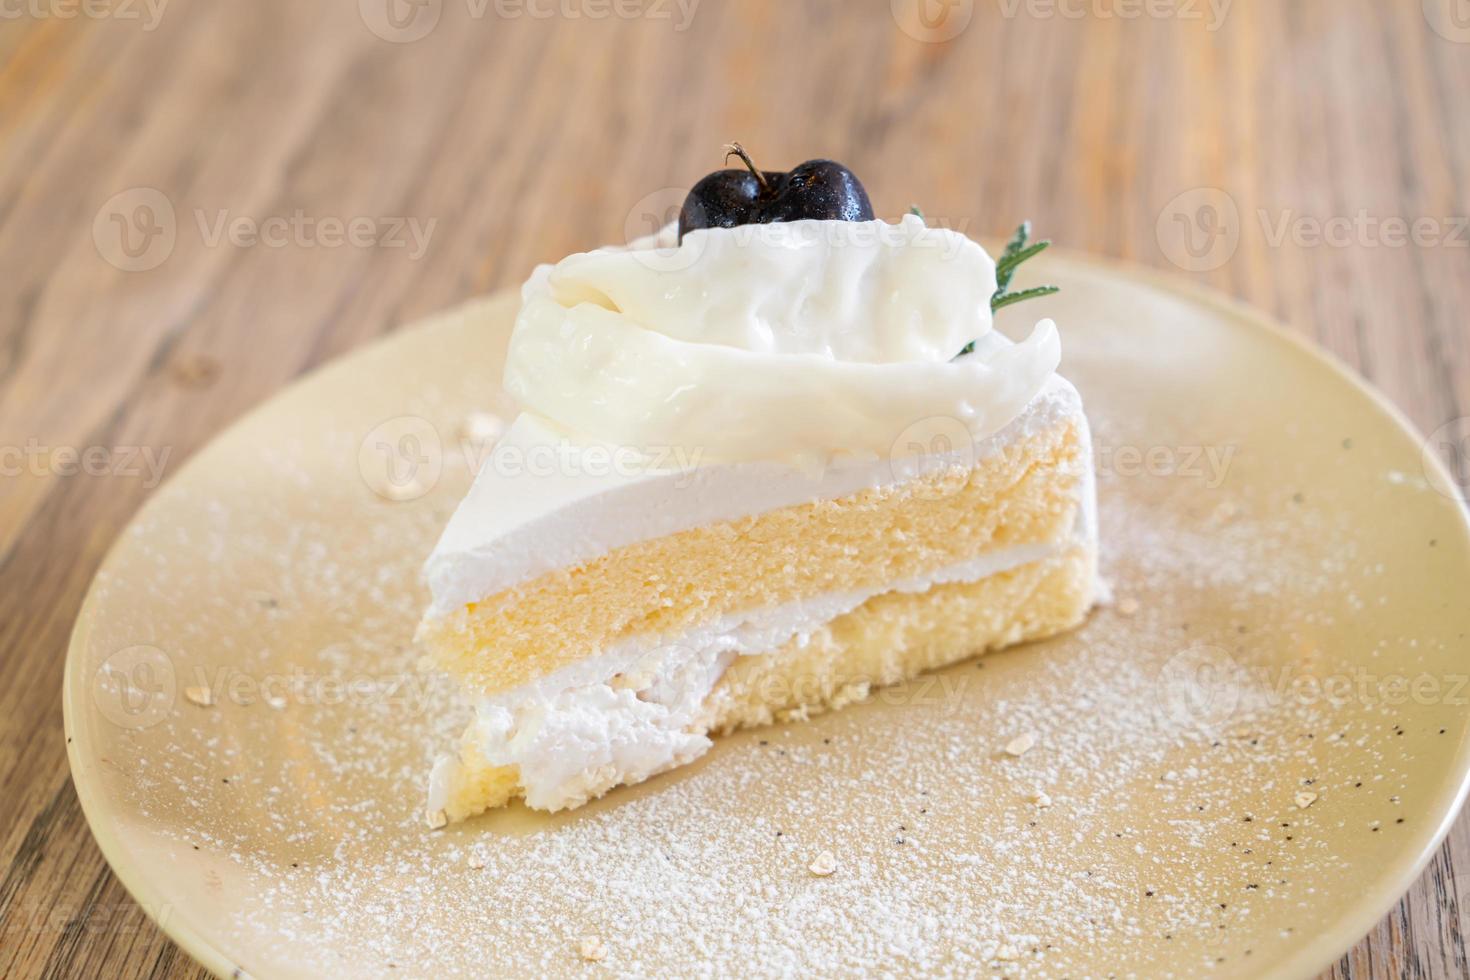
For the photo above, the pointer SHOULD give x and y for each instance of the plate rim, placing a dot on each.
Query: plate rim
(1309, 960)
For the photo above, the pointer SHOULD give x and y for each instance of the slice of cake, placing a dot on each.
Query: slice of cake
(752, 481)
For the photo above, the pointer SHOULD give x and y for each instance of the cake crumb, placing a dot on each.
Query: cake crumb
(436, 819)
(195, 370)
(824, 865)
(482, 428)
(592, 949)
(476, 864)
(200, 695)
(1304, 800)
(1127, 606)
(1040, 800)
(1020, 745)
(1225, 513)
(402, 493)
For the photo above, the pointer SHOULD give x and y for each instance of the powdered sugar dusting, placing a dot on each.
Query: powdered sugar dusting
(1153, 821)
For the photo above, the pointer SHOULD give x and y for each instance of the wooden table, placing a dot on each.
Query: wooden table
(1281, 151)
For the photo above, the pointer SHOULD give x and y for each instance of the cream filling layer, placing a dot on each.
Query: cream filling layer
(630, 712)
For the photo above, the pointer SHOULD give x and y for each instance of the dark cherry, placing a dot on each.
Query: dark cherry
(821, 189)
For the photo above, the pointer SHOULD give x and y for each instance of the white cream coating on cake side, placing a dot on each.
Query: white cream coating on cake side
(544, 501)
(773, 341)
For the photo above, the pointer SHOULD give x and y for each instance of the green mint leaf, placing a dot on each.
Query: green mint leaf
(1017, 251)
(1000, 302)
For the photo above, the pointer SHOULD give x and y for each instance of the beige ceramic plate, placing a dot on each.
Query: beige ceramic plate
(1239, 765)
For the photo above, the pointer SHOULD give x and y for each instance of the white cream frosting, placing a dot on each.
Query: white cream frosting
(743, 371)
(633, 710)
(779, 341)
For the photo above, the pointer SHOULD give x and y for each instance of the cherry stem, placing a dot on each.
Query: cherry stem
(736, 150)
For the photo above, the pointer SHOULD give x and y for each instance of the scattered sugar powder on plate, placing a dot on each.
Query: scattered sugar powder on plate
(1159, 799)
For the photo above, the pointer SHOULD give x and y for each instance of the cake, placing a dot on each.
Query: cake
(762, 468)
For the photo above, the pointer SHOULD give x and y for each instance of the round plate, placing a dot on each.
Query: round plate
(1239, 764)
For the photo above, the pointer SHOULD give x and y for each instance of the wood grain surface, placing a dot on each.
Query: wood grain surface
(202, 199)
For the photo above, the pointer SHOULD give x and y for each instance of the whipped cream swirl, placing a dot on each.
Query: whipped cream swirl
(789, 340)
